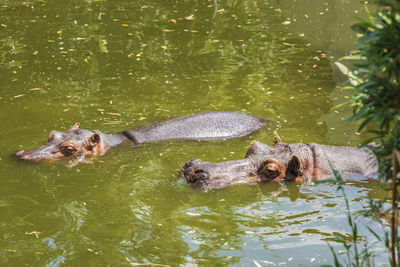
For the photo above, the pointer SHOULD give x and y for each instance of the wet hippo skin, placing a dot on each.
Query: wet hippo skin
(202, 126)
(283, 162)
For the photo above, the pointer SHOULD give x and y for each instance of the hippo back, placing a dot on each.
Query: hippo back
(201, 126)
(348, 161)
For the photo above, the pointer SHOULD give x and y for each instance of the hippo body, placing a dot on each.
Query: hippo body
(203, 126)
(283, 162)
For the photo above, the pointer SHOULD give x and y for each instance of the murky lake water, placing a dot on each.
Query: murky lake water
(112, 65)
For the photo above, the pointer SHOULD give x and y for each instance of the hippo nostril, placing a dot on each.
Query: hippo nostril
(19, 153)
(23, 155)
(198, 175)
(192, 172)
(188, 167)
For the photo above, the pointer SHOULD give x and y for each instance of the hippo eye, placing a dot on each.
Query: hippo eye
(270, 173)
(68, 150)
(269, 170)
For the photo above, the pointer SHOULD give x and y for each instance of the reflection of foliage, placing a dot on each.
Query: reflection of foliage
(351, 245)
(12, 47)
(377, 101)
(159, 39)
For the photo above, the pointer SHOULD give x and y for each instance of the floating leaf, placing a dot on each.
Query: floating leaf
(191, 17)
(36, 233)
(17, 96)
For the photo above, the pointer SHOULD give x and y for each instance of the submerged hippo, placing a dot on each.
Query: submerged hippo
(203, 126)
(283, 162)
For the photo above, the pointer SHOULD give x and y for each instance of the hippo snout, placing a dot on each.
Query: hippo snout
(188, 167)
(208, 176)
(25, 155)
(36, 154)
(22, 155)
(193, 173)
(198, 175)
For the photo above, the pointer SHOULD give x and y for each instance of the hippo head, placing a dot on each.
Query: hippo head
(262, 163)
(73, 142)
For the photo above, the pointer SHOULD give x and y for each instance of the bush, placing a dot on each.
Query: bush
(375, 80)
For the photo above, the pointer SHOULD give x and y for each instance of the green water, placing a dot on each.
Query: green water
(112, 65)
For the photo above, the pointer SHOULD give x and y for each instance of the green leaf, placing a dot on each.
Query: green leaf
(337, 175)
(335, 258)
(362, 27)
(374, 233)
(348, 88)
(353, 57)
(362, 112)
(342, 68)
(355, 232)
(366, 121)
(371, 18)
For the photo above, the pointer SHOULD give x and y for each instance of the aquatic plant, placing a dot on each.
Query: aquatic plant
(376, 103)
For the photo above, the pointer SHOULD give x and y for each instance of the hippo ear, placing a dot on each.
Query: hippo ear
(51, 136)
(76, 126)
(255, 148)
(93, 141)
(277, 138)
(295, 167)
(54, 135)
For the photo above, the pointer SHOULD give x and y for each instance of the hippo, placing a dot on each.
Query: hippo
(79, 142)
(280, 162)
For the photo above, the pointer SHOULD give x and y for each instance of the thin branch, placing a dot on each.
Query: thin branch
(394, 207)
